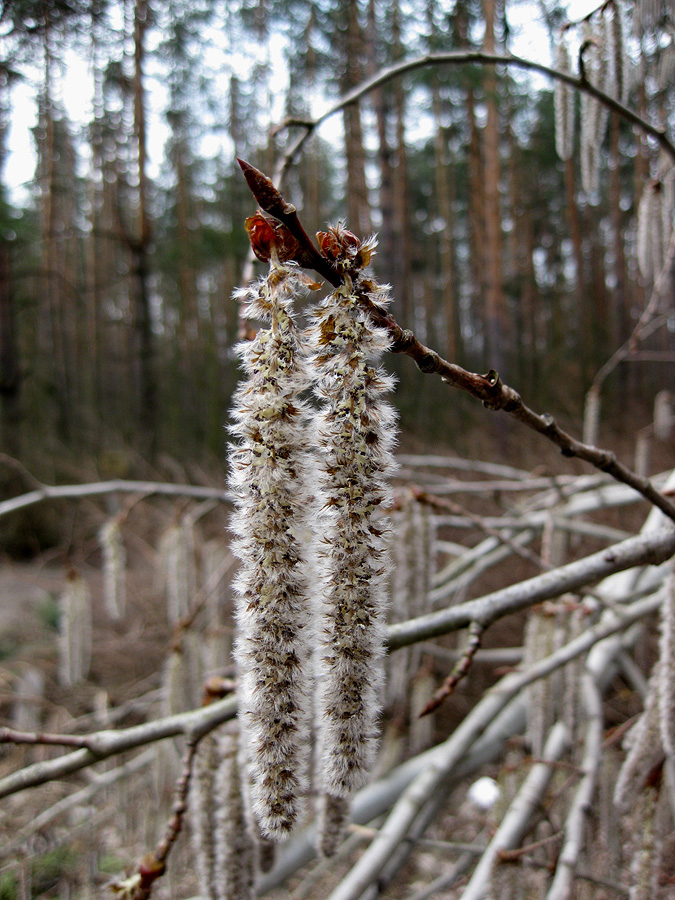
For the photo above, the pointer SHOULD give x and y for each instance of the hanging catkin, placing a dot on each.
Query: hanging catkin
(643, 847)
(594, 115)
(650, 236)
(667, 668)
(234, 846)
(75, 630)
(645, 749)
(270, 478)
(355, 432)
(563, 102)
(202, 802)
(114, 569)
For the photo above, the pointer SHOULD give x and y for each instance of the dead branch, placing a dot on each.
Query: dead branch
(652, 549)
(116, 486)
(104, 744)
(459, 671)
(518, 820)
(575, 823)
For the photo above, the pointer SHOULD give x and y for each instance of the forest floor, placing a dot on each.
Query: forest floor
(129, 659)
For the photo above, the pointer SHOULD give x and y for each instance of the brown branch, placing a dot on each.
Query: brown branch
(459, 671)
(489, 388)
(153, 865)
(460, 57)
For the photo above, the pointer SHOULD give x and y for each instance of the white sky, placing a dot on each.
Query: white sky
(529, 40)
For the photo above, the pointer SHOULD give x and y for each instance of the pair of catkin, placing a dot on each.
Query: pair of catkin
(308, 485)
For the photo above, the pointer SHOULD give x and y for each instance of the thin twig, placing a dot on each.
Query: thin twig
(459, 671)
(11, 736)
(460, 57)
(153, 865)
(116, 486)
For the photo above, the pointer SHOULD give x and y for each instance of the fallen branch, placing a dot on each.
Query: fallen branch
(116, 486)
(643, 549)
(518, 820)
(449, 754)
(104, 744)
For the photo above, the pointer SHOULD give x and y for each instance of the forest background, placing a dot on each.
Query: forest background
(116, 277)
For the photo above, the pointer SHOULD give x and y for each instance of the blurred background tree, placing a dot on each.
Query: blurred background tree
(119, 257)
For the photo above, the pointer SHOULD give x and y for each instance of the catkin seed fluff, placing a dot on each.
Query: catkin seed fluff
(269, 478)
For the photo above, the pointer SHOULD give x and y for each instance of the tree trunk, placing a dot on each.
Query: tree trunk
(495, 312)
(358, 206)
(380, 100)
(139, 245)
(400, 275)
(10, 370)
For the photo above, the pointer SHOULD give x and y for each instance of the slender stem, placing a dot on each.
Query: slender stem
(460, 57)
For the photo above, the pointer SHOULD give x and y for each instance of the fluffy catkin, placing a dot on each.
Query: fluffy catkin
(563, 101)
(233, 843)
(202, 805)
(667, 668)
(270, 478)
(114, 569)
(645, 748)
(75, 630)
(355, 432)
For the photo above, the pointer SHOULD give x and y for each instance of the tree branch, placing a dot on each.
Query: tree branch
(488, 388)
(103, 744)
(116, 486)
(518, 818)
(461, 57)
(643, 549)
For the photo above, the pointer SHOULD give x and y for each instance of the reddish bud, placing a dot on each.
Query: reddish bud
(266, 235)
(337, 242)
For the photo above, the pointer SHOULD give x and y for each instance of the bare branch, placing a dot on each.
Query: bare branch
(643, 549)
(488, 388)
(116, 486)
(518, 819)
(575, 823)
(104, 744)
(460, 669)
(461, 57)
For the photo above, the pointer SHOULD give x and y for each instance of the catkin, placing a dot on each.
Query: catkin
(270, 479)
(333, 823)
(413, 561)
(666, 669)
(592, 409)
(644, 859)
(594, 116)
(233, 843)
(650, 237)
(114, 569)
(177, 553)
(563, 102)
(75, 630)
(354, 436)
(664, 415)
(645, 749)
(202, 802)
